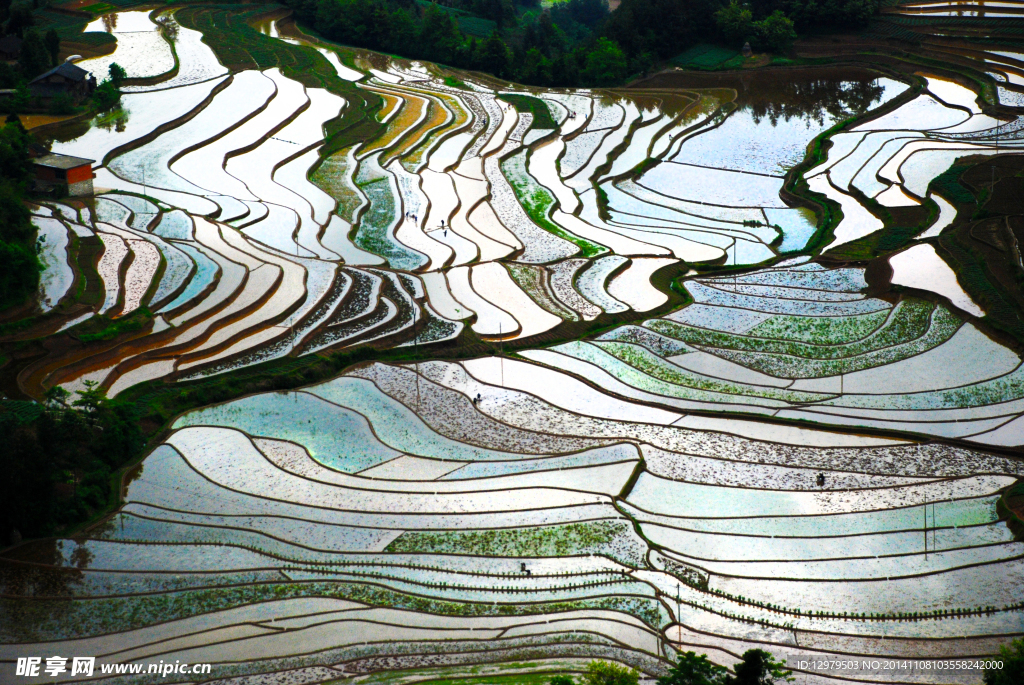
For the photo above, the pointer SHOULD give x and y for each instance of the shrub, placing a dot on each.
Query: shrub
(106, 96)
(117, 74)
(62, 104)
(694, 669)
(609, 673)
(1012, 672)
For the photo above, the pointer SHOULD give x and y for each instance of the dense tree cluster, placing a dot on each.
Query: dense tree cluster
(57, 468)
(660, 29)
(527, 44)
(19, 267)
(736, 22)
(576, 42)
(756, 667)
(39, 51)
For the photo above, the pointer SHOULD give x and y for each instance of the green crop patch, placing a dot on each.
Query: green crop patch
(538, 201)
(99, 328)
(704, 56)
(477, 26)
(535, 106)
(947, 184)
(548, 541)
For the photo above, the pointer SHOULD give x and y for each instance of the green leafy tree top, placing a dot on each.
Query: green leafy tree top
(694, 669)
(775, 32)
(759, 667)
(52, 41)
(19, 17)
(92, 399)
(736, 22)
(34, 58)
(15, 171)
(606, 63)
(117, 74)
(495, 56)
(1012, 672)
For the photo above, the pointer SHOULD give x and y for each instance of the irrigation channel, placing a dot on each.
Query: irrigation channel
(705, 363)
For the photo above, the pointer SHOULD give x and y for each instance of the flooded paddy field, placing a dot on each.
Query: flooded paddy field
(704, 363)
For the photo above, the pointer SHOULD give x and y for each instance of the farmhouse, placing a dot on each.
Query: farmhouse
(63, 174)
(65, 79)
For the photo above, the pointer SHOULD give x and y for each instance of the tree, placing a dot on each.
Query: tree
(759, 667)
(440, 38)
(34, 58)
(18, 102)
(735, 21)
(561, 680)
(840, 14)
(609, 673)
(105, 96)
(62, 105)
(92, 399)
(52, 41)
(775, 32)
(8, 75)
(19, 274)
(64, 443)
(57, 397)
(402, 31)
(642, 63)
(495, 56)
(535, 67)
(694, 669)
(117, 74)
(1012, 672)
(20, 18)
(15, 166)
(606, 64)
(661, 27)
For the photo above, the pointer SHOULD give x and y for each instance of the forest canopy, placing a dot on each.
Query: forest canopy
(19, 268)
(575, 42)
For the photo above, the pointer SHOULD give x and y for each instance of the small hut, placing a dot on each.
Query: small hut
(65, 79)
(63, 174)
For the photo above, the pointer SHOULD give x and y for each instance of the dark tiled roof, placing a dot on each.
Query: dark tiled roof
(68, 70)
(57, 161)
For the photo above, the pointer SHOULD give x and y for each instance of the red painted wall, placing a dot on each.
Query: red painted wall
(80, 173)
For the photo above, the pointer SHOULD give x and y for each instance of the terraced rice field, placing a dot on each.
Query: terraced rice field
(705, 435)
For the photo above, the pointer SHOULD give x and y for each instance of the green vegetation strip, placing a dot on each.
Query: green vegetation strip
(909, 320)
(546, 541)
(537, 202)
(332, 176)
(44, 620)
(704, 56)
(535, 106)
(100, 328)
(642, 359)
(819, 330)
